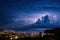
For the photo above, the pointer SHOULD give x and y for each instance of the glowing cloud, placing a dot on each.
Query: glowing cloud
(32, 18)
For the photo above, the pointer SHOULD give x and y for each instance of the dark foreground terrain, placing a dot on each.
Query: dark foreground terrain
(52, 34)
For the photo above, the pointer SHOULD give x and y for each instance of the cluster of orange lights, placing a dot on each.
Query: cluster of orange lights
(15, 35)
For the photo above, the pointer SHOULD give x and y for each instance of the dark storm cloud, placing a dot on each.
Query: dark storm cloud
(10, 9)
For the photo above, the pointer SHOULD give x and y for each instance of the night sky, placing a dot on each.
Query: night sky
(18, 13)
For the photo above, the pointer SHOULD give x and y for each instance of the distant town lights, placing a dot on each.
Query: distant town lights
(16, 37)
(11, 38)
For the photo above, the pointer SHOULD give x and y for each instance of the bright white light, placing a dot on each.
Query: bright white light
(11, 38)
(16, 37)
(55, 18)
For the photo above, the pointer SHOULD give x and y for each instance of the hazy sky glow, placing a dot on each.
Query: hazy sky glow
(32, 17)
(24, 12)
